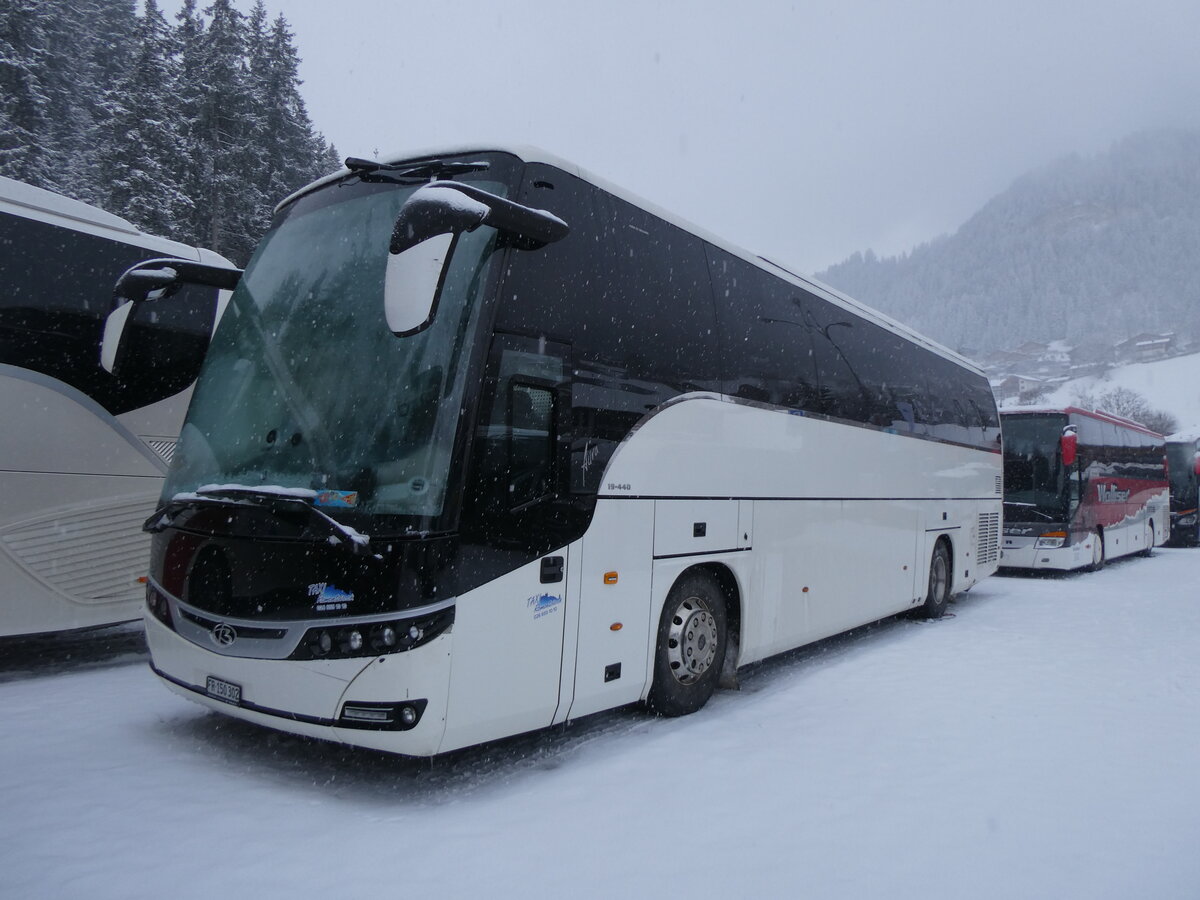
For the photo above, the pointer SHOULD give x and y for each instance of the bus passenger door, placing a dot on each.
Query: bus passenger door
(508, 633)
(614, 633)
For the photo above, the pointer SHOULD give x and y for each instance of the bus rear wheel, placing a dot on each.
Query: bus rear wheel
(690, 649)
(937, 597)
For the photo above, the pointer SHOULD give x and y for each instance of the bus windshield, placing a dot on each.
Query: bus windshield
(1181, 470)
(1035, 486)
(305, 386)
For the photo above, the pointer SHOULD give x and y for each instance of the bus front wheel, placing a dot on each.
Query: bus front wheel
(1098, 555)
(690, 649)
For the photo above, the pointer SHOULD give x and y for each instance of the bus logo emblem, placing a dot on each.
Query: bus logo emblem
(223, 634)
(543, 605)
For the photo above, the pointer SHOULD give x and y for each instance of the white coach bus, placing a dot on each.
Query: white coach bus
(483, 444)
(82, 452)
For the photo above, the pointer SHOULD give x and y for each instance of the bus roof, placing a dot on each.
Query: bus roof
(38, 204)
(1190, 436)
(531, 154)
(42, 201)
(1111, 418)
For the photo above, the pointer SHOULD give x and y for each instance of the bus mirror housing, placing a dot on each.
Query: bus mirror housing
(148, 281)
(1069, 443)
(424, 236)
(156, 279)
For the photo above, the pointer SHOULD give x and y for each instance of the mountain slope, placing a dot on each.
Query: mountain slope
(1097, 248)
(1172, 385)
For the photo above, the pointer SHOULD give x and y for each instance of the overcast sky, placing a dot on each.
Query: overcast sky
(802, 131)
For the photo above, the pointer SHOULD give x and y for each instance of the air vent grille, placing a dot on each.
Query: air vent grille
(999, 484)
(989, 538)
(95, 553)
(165, 449)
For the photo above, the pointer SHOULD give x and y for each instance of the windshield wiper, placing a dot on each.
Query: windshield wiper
(231, 495)
(393, 173)
(1032, 508)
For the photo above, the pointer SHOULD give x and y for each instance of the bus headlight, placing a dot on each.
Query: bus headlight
(382, 716)
(1186, 520)
(1051, 540)
(372, 638)
(159, 607)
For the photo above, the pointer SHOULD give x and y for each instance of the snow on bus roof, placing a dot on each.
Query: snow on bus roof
(40, 205)
(1189, 436)
(20, 194)
(1077, 410)
(531, 154)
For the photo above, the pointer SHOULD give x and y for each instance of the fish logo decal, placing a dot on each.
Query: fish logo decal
(543, 605)
(327, 598)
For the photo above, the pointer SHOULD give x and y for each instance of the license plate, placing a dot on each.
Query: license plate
(224, 690)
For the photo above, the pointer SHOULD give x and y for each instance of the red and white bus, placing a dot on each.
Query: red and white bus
(1080, 487)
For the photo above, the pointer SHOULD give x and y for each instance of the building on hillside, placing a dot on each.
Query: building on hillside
(1019, 389)
(1146, 347)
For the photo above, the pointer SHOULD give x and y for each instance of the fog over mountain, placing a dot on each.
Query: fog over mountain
(1085, 249)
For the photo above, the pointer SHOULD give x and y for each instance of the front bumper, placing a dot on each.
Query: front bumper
(309, 697)
(1022, 553)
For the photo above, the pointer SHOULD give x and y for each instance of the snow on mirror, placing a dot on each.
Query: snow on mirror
(411, 283)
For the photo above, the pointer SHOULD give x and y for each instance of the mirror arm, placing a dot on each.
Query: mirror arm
(426, 214)
(506, 215)
(168, 272)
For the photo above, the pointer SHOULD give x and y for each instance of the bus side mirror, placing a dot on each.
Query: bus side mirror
(148, 281)
(412, 283)
(1069, 444)
(424, 237)
(114, 336)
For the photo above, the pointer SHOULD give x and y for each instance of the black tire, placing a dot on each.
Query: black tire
(941, 577)
(690, 650)
(1099, 554)
(1148, 550)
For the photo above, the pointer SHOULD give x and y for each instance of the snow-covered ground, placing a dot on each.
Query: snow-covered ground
(1172, 385)
(1042, 743)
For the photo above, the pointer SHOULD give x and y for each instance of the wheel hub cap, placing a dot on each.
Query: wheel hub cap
(691, 640)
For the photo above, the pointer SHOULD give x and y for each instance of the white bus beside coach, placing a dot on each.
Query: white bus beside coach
(82, 452)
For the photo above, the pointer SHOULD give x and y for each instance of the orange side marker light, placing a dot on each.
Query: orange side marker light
(610, 577)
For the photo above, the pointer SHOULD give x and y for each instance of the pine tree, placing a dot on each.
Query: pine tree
(144, 133)
(193, 131)
(225, 131)
(292, 151)
(88, 48)
(188, 168)
(23, 101)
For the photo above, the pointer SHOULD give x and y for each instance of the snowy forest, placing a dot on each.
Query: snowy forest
(191, 130)
(1084, 249)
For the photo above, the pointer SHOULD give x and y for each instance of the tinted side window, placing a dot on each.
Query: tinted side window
(630, 293)
(766, 342)
(840, 349)
(58, 288)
